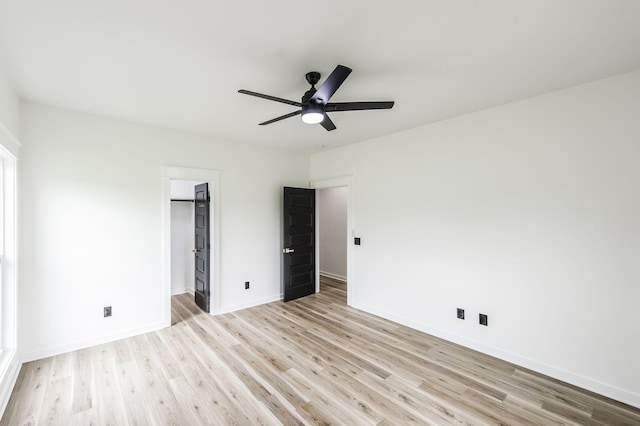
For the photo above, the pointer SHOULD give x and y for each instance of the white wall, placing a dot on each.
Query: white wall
(528, 212)
(91, 223)
(9, 116)
(332, 221)
(183, 189)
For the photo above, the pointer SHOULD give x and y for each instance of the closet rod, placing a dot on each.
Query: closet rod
(181, 200)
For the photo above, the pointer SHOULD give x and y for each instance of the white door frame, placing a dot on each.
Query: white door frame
(212, 177)
(339, 181)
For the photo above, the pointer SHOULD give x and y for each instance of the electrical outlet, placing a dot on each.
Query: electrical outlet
(484, 320)
(460, 313)
(107, 311)
(246, 285)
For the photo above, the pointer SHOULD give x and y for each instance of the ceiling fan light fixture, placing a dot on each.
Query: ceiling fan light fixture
(313, 117)
(312, 114)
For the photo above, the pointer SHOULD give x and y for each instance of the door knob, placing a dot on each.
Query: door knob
(195, 250)
(288, 250)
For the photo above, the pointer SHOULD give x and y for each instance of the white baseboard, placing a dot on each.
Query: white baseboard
(61, 349)
(613, 392)
(249, 304)
(333, 276)
(8, 376)
(183, 290)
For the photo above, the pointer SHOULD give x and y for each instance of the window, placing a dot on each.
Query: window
(7, 256)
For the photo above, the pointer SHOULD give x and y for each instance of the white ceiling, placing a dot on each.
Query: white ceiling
(179, 64)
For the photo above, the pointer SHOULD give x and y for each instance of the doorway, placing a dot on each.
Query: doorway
(182, 236)
(212, 178)
(334, 232)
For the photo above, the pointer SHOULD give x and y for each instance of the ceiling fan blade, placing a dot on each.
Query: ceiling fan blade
(357, 106)
(282, 117)
(327, 123)
(331, 84)
(268, 97)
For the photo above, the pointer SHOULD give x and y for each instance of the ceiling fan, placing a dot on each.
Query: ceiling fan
(315, 102)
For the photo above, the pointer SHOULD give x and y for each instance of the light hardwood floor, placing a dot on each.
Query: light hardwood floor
(310, 361)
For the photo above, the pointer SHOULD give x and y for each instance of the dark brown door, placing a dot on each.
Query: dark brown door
(202, 263)
(299, 252)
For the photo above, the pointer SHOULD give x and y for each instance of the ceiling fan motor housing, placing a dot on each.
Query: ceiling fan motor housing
(310, 108)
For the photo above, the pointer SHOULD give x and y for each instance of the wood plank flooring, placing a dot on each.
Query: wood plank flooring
(310, 361)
